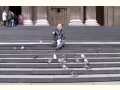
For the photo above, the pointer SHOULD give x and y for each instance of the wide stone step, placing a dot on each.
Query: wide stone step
(71, 45)
(59, 65)
(59, 71)
(46, 60)
(25, 55)
(44, 51)
(67, 55)
(85, 51)
(58, 78)
(44, 33)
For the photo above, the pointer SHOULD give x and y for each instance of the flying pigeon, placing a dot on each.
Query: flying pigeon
(22, 47)
(86, 63)
(54, 56)
(82, 56)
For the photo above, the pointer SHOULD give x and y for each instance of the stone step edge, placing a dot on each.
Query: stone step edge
(67, 63)
(59, 76)
(66, 42)
(58, 69)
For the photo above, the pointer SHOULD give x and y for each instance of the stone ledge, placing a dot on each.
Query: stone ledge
(41, 22)
(75, 22)
(28, 22)
(91, 22)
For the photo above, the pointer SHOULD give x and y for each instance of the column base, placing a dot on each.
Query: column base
(27, 23)
(91, 22)
(75, 22)
(41, 22)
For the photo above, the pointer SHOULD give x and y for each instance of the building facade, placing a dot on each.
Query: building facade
(71, 16)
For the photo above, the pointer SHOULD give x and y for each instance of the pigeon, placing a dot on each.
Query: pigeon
(59, 60)
(74, 74)
(82, 56)
(64, 59)
(49, 61)
(86, 63)
(64, 67)
(40, 41)
(77, 60)
(53, 33)
(54, 56)
(22, 47)
(35, 57)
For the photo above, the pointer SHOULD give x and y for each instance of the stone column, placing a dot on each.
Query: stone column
(41, 16)
(116, 13)
(76, 16)
(109, 16)
(27, 15)
(114, 16)
(91, 16)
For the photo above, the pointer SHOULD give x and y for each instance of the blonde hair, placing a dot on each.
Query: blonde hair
(59, 26)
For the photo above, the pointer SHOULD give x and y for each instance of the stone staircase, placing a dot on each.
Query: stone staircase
(35, 64)
(32, 62)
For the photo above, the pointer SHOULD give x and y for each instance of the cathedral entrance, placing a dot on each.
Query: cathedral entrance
(57, 15)
(100, 15)
(16, 10)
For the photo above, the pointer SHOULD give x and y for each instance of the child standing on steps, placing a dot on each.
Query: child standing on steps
(58, 37)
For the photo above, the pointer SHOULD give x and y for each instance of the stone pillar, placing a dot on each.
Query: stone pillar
(109, 16)
(41, 16)
(116, 16)
(27, 15)
(91, 16)
(76, 16)
(112, 16)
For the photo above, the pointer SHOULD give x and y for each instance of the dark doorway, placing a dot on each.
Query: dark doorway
(16, 10)
(57, 15)
(100, 14)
